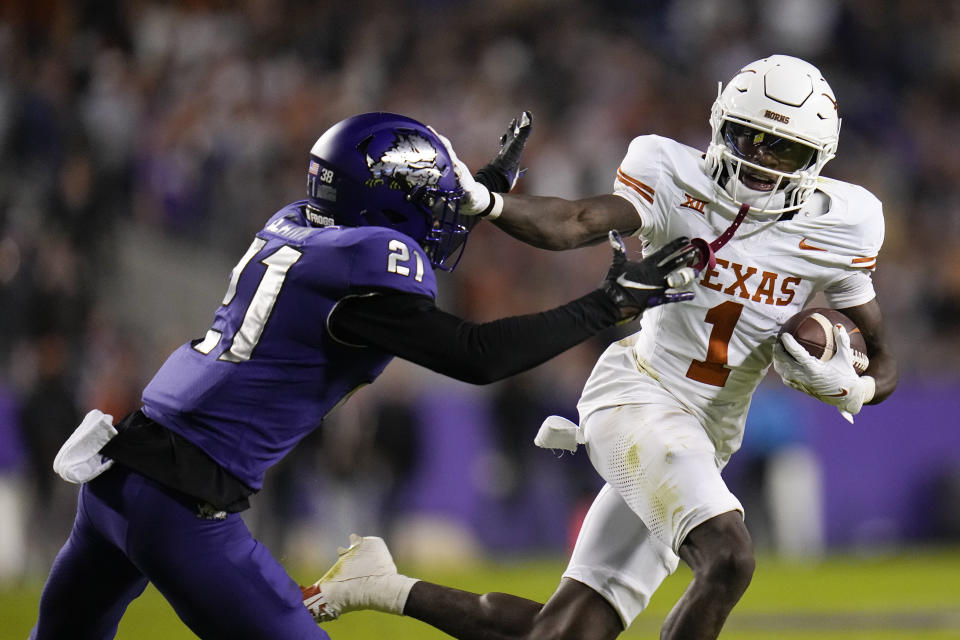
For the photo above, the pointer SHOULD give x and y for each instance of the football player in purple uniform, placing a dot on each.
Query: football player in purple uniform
(330, 290)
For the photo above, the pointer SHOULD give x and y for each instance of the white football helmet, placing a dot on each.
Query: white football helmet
(774, 127)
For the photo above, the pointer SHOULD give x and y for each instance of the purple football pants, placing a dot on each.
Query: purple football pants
(129, 530)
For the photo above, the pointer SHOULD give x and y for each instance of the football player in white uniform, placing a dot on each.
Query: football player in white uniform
(664, 409)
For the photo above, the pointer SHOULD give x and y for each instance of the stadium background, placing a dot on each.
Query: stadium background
(142, 143)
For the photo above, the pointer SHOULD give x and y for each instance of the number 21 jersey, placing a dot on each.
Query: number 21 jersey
(268, 370)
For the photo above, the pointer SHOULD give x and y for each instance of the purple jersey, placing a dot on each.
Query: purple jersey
(268, 371)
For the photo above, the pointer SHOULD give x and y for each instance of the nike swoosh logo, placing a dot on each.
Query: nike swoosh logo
(842, 393)
(809, 247)
(630, 284)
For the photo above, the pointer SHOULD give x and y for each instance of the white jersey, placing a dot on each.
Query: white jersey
(711, 353)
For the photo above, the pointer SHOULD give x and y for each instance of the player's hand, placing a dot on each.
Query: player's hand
(637, 286)
(477, 199)
(834, 382)
(503, 171)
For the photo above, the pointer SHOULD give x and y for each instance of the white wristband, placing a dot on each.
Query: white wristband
(497, 208)
(393, 594)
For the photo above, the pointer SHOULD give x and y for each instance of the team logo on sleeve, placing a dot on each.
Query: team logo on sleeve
(412, 159)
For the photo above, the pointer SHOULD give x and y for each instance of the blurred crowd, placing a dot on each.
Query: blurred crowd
(128, 128)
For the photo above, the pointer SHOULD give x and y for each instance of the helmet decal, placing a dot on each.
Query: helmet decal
(412, 158)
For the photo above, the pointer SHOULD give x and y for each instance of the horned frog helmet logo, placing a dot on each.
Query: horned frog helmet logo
(412, 158)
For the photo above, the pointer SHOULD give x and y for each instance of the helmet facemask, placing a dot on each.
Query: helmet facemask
(447, 237)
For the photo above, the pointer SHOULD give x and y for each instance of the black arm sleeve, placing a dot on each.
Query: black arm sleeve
(413, 328)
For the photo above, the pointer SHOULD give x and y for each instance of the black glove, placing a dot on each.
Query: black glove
(502, 173)
(636, 286)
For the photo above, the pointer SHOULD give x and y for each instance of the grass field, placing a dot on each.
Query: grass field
(905, 596)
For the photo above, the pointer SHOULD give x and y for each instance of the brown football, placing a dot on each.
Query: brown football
(813, 329)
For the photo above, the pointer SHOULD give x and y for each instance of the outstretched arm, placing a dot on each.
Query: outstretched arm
(412, 327)
(558, 224)
(544, 222)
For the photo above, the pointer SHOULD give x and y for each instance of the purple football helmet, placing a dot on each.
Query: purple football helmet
(387, 170)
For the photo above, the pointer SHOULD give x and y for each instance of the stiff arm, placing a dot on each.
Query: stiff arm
(558, 224)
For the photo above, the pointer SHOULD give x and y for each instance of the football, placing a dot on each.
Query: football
(813, 329)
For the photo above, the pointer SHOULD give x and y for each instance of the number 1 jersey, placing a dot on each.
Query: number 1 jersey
(712, 352)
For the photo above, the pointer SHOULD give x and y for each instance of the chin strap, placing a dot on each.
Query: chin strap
(706, 250)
